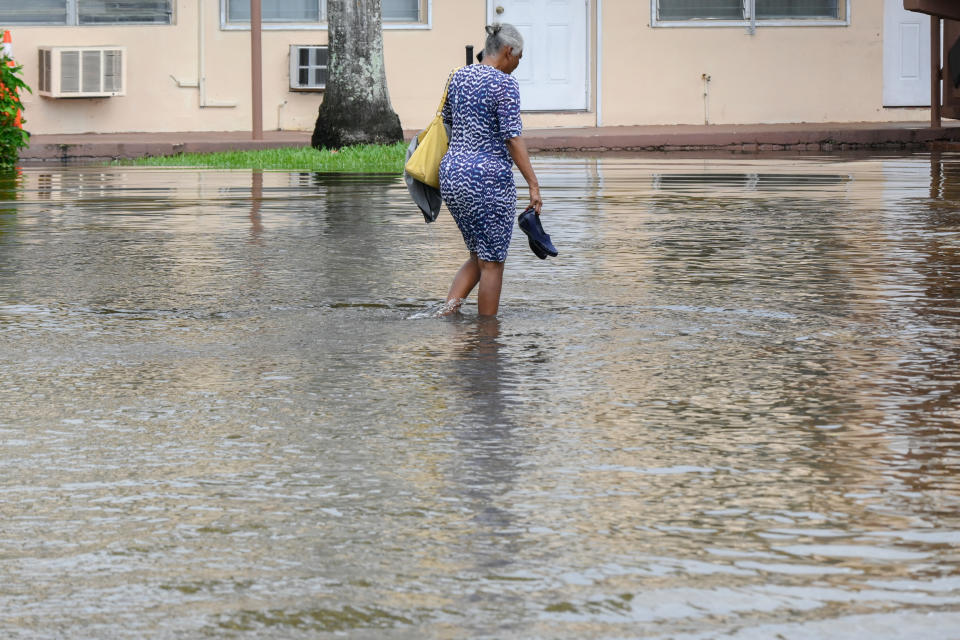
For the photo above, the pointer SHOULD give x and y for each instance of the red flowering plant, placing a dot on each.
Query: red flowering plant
(12, 135)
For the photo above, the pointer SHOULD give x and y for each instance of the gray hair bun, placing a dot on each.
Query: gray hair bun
(500, 34)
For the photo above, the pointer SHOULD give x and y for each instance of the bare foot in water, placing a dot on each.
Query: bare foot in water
(451, 307)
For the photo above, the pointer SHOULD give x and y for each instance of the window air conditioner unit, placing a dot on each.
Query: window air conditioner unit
(82, 72)
(308, 67)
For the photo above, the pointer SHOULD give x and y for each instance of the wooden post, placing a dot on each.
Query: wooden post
(935, 72)
(256, 67)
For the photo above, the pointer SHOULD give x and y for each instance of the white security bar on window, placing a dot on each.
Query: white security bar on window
(748, 12)
(311, 11)
(85, 12)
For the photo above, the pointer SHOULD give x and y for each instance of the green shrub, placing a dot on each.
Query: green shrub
(12, 137)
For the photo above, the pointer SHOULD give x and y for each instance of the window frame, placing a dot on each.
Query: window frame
(295, 66)
(226, 25)
(73, 19)
(751, 22)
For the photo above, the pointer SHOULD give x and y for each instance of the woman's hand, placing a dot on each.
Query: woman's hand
(535, 201)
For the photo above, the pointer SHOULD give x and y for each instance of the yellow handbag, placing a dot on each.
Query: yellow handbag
(432, 143)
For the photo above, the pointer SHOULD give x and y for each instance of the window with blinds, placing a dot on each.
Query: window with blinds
(124, 11)
(401, 10)
(741, 10)
(33, 12)
(86, 12)
(792, 9)
(292, 11)
(313, 11)
(308, 67)
(700, 9)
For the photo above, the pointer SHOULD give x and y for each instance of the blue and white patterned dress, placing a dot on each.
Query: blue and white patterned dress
(476, 174)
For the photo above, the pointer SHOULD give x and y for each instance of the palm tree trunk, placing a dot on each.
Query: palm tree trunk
(356, 106)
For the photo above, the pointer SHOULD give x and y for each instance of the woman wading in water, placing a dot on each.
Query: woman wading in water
(476, 174)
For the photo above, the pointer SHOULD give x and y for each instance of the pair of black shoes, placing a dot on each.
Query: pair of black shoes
(540, 242)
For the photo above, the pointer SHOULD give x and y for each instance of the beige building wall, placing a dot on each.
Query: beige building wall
(778, 74)
(648, 75)
(417, 62)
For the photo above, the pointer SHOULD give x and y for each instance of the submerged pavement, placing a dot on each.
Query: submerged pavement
(747, 138)
(728, 410)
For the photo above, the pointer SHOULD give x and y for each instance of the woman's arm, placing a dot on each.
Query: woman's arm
(518, 151)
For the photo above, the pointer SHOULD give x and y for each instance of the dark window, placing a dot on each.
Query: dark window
(793, 9)
(739, 10)
(124, 11)
(310, 11)
(86, 12)
(308, 66)
(701, 10)
(401, 10)
(294, 11)
(33, 12)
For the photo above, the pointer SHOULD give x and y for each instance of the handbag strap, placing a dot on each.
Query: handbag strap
(443, 100)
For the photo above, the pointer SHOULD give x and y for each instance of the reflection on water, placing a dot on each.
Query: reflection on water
(729, 409)
(746, 181)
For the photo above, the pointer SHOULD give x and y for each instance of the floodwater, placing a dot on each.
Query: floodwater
(729, 409)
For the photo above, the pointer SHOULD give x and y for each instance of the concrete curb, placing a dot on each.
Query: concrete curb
(757, 138)
(761, 138)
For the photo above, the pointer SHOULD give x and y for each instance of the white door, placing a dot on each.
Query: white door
(906, 56)
(553, 71)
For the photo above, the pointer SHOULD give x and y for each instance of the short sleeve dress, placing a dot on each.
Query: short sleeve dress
(476, 174)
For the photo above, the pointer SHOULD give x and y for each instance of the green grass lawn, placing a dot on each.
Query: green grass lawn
(358, 159)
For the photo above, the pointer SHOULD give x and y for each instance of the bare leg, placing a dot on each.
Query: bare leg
(491, 281)
(463, 283)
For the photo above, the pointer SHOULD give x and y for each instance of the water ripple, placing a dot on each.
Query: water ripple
(232, 405)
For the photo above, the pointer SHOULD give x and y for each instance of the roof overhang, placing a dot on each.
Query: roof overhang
(949, 9)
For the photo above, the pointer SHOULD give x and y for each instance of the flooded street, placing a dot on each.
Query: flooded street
(729, 409)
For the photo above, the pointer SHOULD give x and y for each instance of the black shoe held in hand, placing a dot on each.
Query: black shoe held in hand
(540, 242)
